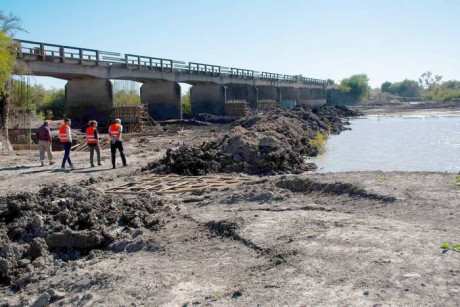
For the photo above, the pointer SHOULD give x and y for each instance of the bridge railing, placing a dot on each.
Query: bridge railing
(242, 73)
(46, 51)
(149, 62)
(52, 52)
(204, 69)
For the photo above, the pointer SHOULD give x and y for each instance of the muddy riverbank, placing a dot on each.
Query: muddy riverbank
(337, 239)
(355, 238)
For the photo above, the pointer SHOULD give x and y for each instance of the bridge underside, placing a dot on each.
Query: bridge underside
(89, 90)
(93, 99)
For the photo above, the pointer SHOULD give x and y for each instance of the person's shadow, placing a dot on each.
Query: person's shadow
(15, 168)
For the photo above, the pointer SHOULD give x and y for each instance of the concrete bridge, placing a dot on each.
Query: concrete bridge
(89, 90)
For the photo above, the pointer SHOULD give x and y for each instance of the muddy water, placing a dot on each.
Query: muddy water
(417, 143)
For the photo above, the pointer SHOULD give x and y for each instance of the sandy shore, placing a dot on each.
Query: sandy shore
(359, 238)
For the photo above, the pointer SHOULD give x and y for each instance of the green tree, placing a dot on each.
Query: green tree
(445, 91)
(9, 25)
(53, 104)
(126, 98)
(186, 103)
(356, 87)
(385, 86)
(405, 88)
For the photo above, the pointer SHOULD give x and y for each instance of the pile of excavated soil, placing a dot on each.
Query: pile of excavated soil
(60, 223)
(268, 143)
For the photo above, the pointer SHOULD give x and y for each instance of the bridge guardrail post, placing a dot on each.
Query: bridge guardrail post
(97, 57)
(80, 55)
(161, 64)
(42, 51)
(62, 54)
(20, 49)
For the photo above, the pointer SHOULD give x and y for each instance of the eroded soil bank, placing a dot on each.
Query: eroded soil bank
(263, 144)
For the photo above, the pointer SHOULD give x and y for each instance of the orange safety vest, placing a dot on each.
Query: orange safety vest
(63, 134)
(114, 129)
(90, 139)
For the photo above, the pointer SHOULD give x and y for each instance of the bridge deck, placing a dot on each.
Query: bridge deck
(44, 52)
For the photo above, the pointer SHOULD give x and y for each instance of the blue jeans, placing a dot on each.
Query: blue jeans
(67, 147)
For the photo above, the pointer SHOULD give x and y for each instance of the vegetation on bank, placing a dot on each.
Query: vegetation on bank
(186, 103)
(428, 87)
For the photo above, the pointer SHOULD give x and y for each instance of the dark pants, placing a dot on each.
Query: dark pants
(113, 148)
(92, 148)
(67, 147)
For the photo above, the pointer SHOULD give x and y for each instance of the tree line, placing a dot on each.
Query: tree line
(428, 87)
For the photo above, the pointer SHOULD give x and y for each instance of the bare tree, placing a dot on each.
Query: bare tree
(10, 24)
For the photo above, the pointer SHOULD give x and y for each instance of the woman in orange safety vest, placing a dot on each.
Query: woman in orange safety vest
(92, 139)
(65, 136)
(115, 132)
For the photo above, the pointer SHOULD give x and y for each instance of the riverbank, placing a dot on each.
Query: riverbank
(407, 109)
(354, 238)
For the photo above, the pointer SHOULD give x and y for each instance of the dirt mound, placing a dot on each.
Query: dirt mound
(61, 223)
(268, 143)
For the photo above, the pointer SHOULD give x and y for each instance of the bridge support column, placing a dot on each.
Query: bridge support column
(208, 98)
(162, 99)
(88, 99)
(269, 93)
(312, 96)
(242, 92)
(289, 93)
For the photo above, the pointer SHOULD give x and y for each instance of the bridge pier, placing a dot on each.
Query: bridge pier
(305, 96)
(289, 93)
(242, 92)
(162, 99)
(208, 98)
(312, 96)
(88, 99)
(289, 97)
(268, 93)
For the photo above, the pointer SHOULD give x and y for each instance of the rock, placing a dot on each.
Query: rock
(412, 275)
(11, 250)
(42, 301)
(39, 263)
(74, 239)
(38, 248)
(56, 294)
(4, 269)
(24, 262)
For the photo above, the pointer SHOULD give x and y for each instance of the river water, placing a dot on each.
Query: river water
(419, 143)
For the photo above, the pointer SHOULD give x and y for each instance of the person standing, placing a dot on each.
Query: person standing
(44, 143)
(115, 132)
(92, 138)
(65, 136)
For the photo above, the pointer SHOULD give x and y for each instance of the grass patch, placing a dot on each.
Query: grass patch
(450, 247)
(319, 142)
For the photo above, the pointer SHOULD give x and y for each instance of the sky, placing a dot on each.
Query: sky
(387, 40)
